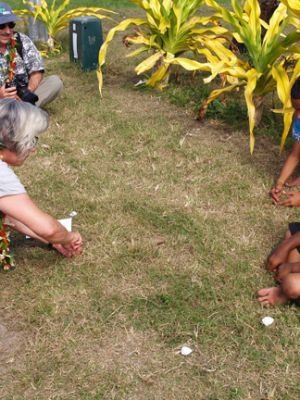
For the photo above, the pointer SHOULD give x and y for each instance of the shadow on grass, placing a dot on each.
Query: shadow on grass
(168, 222)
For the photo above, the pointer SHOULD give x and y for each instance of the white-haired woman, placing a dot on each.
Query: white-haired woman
(20, 125)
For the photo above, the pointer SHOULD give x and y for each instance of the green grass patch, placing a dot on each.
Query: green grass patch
(174, 223)
(177, 310)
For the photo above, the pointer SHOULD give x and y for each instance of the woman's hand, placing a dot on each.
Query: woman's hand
(293, 199)
(74, 246)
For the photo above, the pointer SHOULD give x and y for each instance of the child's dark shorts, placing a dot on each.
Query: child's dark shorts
(294, 228)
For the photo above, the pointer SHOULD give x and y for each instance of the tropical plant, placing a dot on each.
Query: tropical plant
(293, 6)
(264, 69)
(56, 18)
(167, 31)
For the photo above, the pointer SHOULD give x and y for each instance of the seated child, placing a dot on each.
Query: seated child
(293, 159)
(285, 260)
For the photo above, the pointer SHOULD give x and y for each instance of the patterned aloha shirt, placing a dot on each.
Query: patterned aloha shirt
(31, 62)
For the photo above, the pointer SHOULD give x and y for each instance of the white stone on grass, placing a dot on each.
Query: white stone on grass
(267, 321)
(185, 351)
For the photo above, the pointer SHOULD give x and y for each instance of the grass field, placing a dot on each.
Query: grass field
(177, 224)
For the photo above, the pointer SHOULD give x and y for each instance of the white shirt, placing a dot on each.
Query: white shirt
(9, 182)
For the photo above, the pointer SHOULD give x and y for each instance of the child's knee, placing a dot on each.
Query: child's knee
(291, 286)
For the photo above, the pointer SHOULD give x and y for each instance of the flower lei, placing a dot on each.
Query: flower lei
(11, 59)
(7, 261)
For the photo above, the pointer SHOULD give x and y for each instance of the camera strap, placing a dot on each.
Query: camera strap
(19, 45)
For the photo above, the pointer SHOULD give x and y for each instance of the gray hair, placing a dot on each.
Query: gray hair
(20, 124)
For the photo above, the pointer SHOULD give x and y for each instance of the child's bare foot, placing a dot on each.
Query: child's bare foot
(271, 296)
(293, 182)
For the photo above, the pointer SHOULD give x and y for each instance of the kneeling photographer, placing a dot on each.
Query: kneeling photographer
(21, 66)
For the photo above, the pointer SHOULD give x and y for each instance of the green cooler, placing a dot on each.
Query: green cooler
(86, 38)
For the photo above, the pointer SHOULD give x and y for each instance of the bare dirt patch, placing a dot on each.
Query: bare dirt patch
(11, 343)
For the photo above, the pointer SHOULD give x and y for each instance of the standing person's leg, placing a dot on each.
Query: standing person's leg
(48, 90)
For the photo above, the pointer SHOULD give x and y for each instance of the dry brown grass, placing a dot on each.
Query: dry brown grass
(177, 224)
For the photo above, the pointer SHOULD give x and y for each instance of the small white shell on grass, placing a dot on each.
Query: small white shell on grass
(267, 321)
(185, 351)
(73, 214)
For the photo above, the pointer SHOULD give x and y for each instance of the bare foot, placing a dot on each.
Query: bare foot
(271, 296)
(293, 182)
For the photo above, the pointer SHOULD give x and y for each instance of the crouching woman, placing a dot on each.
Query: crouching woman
(20, 126)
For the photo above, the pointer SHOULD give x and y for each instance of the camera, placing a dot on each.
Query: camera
(20, 83)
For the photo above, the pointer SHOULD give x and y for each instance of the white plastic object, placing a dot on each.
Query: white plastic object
(67, 223)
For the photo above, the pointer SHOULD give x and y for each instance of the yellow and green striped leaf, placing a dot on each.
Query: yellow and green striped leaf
(252, 77)
(159, 75)
(149, 63)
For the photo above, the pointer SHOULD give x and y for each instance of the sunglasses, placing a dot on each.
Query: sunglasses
(11, 25)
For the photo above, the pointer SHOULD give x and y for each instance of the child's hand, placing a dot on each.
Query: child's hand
(283, 271)
(292, 200)
(275, 193)
(278, 257)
